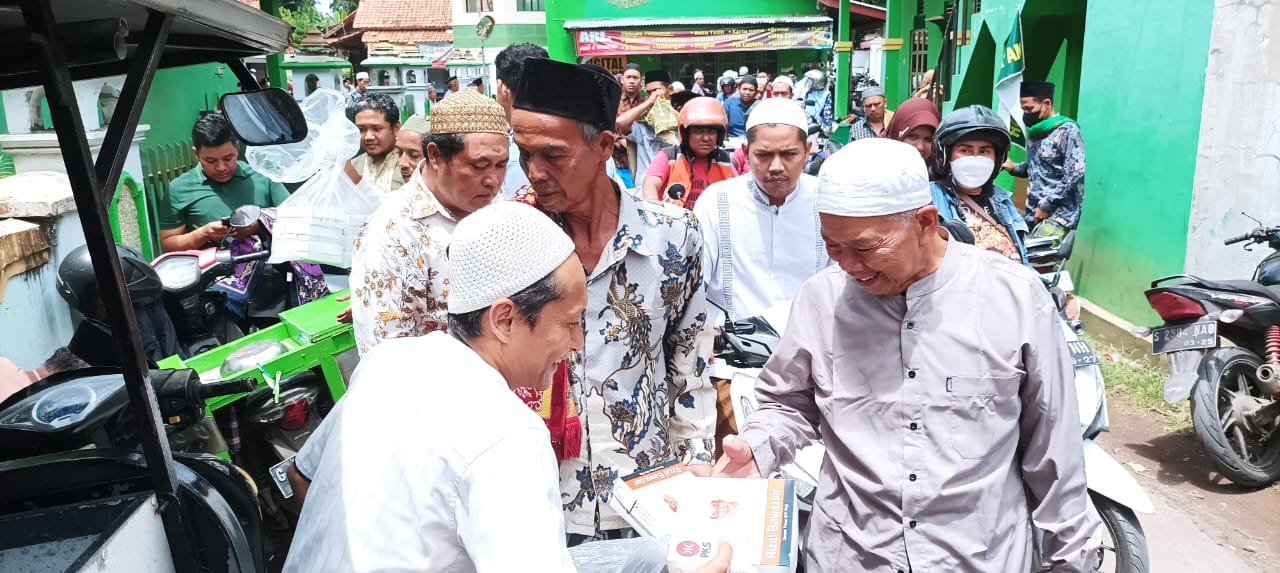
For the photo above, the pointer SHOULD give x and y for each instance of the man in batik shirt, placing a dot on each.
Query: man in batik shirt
(639, 381)
(399, 273)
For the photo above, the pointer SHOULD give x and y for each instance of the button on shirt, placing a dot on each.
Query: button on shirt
(400, 271)
(900, 386)
(435, 470)
(757, 255)
(639, 381)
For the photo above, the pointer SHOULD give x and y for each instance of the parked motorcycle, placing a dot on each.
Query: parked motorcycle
(746, 345)
(309, 357)
(1234, 386)
(55, 493)
(200, 315)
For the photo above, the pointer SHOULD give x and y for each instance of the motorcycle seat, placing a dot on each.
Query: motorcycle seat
(1243, 287)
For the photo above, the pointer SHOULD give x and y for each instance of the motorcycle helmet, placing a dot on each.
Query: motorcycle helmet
(79, 287)
(817, 79)
(703, 111)
(973, 122)
(726, 81)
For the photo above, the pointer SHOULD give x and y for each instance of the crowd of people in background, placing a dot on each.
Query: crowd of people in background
(669, 210)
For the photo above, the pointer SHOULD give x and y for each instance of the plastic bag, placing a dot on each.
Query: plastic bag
(331, 137)
(636, 555)
(319, 222)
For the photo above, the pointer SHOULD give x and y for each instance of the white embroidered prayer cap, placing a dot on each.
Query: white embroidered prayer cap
(781, 111)
(499, 251)
(873, 177)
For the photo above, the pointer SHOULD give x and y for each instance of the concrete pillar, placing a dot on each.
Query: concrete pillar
(1238, 159)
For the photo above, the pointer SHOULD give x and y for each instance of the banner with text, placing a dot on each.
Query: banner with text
(621, 42)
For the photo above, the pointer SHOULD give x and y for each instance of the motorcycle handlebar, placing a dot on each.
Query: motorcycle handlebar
(226, 388)
(1239, 239)
(224, 256)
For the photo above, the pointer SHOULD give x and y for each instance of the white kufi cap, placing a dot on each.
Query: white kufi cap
(362, 76)
(499, 251)
(871, 178)
(784, 80)
(778, 110)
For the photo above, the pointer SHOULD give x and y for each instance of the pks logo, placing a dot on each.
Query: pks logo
(687, 548)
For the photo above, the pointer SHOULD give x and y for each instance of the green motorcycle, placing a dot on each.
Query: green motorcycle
(302, 365)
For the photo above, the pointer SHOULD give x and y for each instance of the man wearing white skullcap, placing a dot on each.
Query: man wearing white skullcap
(760, 229)
(783, 88)
(463, 476)
(941, 380)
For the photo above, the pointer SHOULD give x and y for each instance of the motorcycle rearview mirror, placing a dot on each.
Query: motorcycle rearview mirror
(1250, 217)
(1068, 245)
(264, 117)
(244, 216)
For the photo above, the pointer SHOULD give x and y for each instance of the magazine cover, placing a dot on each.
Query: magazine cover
(640, 498)
(756, 516)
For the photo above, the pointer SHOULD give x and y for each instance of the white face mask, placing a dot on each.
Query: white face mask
(972, 171)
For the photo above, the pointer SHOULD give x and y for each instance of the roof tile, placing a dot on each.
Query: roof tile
(402, 15)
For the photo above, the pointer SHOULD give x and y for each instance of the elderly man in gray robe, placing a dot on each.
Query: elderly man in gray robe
(940, 380)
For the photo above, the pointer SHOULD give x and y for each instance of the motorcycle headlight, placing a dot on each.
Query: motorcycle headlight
(179, 272)
(60, 406)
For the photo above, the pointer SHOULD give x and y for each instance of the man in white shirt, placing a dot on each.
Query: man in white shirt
(761, 230)
(415, 477)
(445, 469)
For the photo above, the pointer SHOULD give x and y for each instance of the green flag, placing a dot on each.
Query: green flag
(1009, 82)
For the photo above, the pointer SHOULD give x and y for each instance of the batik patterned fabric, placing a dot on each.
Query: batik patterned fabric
(400, 271)
(640, 381)
(1055, 171)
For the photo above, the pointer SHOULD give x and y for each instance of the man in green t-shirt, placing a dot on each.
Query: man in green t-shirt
(191, 217)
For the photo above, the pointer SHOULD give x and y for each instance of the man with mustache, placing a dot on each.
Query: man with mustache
(399, 273)
(639, 380)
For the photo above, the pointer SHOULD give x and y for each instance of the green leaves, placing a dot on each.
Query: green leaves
(6, 165)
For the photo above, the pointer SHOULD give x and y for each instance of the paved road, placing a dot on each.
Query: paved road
(1203, 523)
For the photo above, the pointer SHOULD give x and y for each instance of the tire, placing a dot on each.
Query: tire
(1221, 367)
(1129, 542)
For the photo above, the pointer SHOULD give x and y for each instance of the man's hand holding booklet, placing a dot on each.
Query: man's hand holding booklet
(757, 517)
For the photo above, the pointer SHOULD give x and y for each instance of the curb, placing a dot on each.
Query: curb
(1106, 327)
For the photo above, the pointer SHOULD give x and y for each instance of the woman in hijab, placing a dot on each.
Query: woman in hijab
(914, 123)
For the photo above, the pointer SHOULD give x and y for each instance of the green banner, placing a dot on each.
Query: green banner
(1009, 82)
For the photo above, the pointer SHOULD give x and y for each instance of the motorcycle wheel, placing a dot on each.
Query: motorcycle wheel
(1233, 439)
(1124, 548)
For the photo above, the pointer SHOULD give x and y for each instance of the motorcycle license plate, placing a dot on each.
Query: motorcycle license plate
(1192, 336)
(1082, 354)
(280, 475)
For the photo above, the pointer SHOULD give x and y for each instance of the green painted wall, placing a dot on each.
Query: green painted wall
(1141, 94)
(1104, 58)
(178, 96)
(503, 35)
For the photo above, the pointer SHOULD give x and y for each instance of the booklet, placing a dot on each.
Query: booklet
(756, 516)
